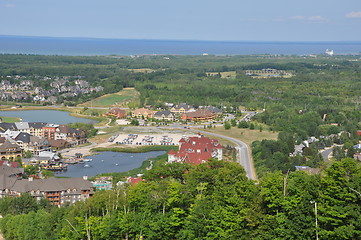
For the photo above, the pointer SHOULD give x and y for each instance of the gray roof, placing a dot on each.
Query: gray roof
(23, 137)
(52, 184)
(7, 144)
(21, 125)
(213, 109)
(183, 105)
(37, 125)
(8, 176)
(164, 113)
(5, 126)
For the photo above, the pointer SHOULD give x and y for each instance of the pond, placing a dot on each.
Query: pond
(107, 162)
(48, 116)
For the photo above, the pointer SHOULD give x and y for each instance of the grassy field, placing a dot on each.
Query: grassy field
(142, 70)
(246, 135)
(231, 74)
(10, 119)
(120, 99)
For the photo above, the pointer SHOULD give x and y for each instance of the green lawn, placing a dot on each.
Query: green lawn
(10, 119)
(108, 100)
(111, 100)
(246, 135)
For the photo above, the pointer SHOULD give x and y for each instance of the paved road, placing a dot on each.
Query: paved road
(243, 156)
(325, 154)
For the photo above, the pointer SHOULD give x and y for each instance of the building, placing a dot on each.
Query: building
(9, 150)
(196, 150)
(214, 110)
(58, 191)
(182, 108)
(71, 135)
(308, 169)
(199, 115)
(31, 143)
(49, 131)
(117, 113)
(143, 113)
(36, 128)
(165, 115)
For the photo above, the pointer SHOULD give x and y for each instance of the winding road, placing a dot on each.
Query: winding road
(243, 156)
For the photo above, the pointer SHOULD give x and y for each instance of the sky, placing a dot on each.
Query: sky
(213, 20)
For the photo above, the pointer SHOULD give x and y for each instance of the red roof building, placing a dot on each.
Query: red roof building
(199, 115)
(133, 180)
(196, 150)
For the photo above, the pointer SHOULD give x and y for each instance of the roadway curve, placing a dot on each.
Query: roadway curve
(243, 156)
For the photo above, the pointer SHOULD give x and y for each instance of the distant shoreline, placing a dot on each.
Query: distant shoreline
(76, 46)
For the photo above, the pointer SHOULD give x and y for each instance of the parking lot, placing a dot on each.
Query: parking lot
(148, 139)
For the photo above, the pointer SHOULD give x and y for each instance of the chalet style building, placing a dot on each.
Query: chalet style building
(182, 108)
(9, 150)
(143, 113)
(117, 113)
(58, 191)
(199, 115)
(34, 144)
(165, 115)
(196, 150)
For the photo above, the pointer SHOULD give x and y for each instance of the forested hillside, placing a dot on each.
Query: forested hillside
(214, 201)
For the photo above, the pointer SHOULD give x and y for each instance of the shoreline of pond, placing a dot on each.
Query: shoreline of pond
(71, 114)
(114, 164)
(71, 111)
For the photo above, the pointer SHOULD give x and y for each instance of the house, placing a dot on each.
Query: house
(143, 113)
(164, 115)
(357, 156)
(196, 150)
(182, 108)
(58, 144)
(71, 135)
(9, 150)
(117, 113)
(308, 169)
(199, 115)
(133, 180)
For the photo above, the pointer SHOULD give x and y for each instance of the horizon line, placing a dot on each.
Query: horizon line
(186, 40)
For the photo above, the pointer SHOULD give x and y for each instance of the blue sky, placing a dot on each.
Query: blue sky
(230, 20)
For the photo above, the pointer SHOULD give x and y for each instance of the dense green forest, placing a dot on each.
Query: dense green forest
(214, 201)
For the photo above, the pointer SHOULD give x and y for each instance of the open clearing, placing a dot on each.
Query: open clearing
(142, 70)
(245, 135)
(119, 99)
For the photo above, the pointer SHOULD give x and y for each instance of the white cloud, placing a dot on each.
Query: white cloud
(317, 19)
(297, 17)
(309, 19)
(354, 15)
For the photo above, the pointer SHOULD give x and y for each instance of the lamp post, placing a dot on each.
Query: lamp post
(314, 202)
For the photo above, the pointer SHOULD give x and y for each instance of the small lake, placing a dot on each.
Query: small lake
(107, 162)
(48, 116)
